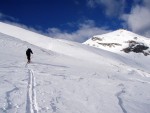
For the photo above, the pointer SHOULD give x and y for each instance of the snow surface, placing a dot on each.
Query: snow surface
(68, 77)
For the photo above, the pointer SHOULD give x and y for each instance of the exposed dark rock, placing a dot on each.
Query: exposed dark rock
(136, 47)
(139, 48)
(110, 44)
(96, 38)
(135, 38)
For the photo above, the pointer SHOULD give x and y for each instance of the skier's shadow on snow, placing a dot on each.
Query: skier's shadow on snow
(61, 66)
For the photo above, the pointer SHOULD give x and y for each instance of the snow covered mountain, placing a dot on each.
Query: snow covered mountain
(68, 77)
(121, 40)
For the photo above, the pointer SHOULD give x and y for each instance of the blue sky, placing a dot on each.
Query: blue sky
(77, 20)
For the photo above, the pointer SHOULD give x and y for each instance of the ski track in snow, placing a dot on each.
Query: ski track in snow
(8, 95)
(120, 100)
(31, 106)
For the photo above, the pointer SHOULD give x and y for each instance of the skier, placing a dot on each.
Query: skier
(28, 53)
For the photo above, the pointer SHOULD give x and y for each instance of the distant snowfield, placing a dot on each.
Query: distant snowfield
(68, 77)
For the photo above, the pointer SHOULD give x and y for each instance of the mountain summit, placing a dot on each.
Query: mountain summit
(121, 40)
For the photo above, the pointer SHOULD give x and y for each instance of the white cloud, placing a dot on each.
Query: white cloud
(147, 33)
(146, 3)
(112, 7)
(1, 15)
(76, 2)
(138, 19)
(91, 3)
(85, 31)
(4, 17)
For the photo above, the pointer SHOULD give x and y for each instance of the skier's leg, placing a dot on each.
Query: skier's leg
(28, 57)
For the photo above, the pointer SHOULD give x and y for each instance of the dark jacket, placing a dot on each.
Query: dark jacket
(29, 52)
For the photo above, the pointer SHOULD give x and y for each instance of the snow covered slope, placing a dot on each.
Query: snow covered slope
(121, 40)
(68, 77)
(44, 41)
